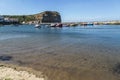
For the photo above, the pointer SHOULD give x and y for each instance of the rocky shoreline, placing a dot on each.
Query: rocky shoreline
(18, 73)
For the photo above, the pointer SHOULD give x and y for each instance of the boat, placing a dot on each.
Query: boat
(59, 25)
(37, 26)
(73, 25)
(52, 25)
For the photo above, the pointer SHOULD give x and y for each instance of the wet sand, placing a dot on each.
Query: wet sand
(66, 57)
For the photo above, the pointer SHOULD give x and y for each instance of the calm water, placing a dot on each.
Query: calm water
(107, 35)
(76, 53)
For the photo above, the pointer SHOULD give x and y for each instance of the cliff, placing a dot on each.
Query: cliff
(43, 17)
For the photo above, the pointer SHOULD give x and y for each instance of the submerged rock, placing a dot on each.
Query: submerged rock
(116, 69)
(5, 58)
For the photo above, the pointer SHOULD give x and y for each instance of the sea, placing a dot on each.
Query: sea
(72, 53)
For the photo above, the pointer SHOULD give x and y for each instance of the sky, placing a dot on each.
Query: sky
(70, 10)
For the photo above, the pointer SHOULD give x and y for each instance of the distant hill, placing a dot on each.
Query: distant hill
(43, 17)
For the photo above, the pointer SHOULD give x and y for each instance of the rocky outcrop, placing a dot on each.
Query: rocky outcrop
(48, 17)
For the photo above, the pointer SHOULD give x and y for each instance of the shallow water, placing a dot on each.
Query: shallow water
(76, 53)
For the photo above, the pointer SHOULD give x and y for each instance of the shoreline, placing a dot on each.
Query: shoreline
(15, 72)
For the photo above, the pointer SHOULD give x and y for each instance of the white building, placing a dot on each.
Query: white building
(7, 19)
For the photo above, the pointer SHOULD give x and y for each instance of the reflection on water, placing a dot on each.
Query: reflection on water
(76, 53)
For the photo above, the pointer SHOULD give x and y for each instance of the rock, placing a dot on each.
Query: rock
(5, 58)
(116, 68)
(48, 17)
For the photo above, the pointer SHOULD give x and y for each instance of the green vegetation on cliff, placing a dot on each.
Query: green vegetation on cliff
(22, 18)
(47, 16)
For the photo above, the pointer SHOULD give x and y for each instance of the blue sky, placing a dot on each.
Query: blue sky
(71, 10)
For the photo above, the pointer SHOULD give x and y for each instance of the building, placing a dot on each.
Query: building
(7, 19)
(1, 19)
